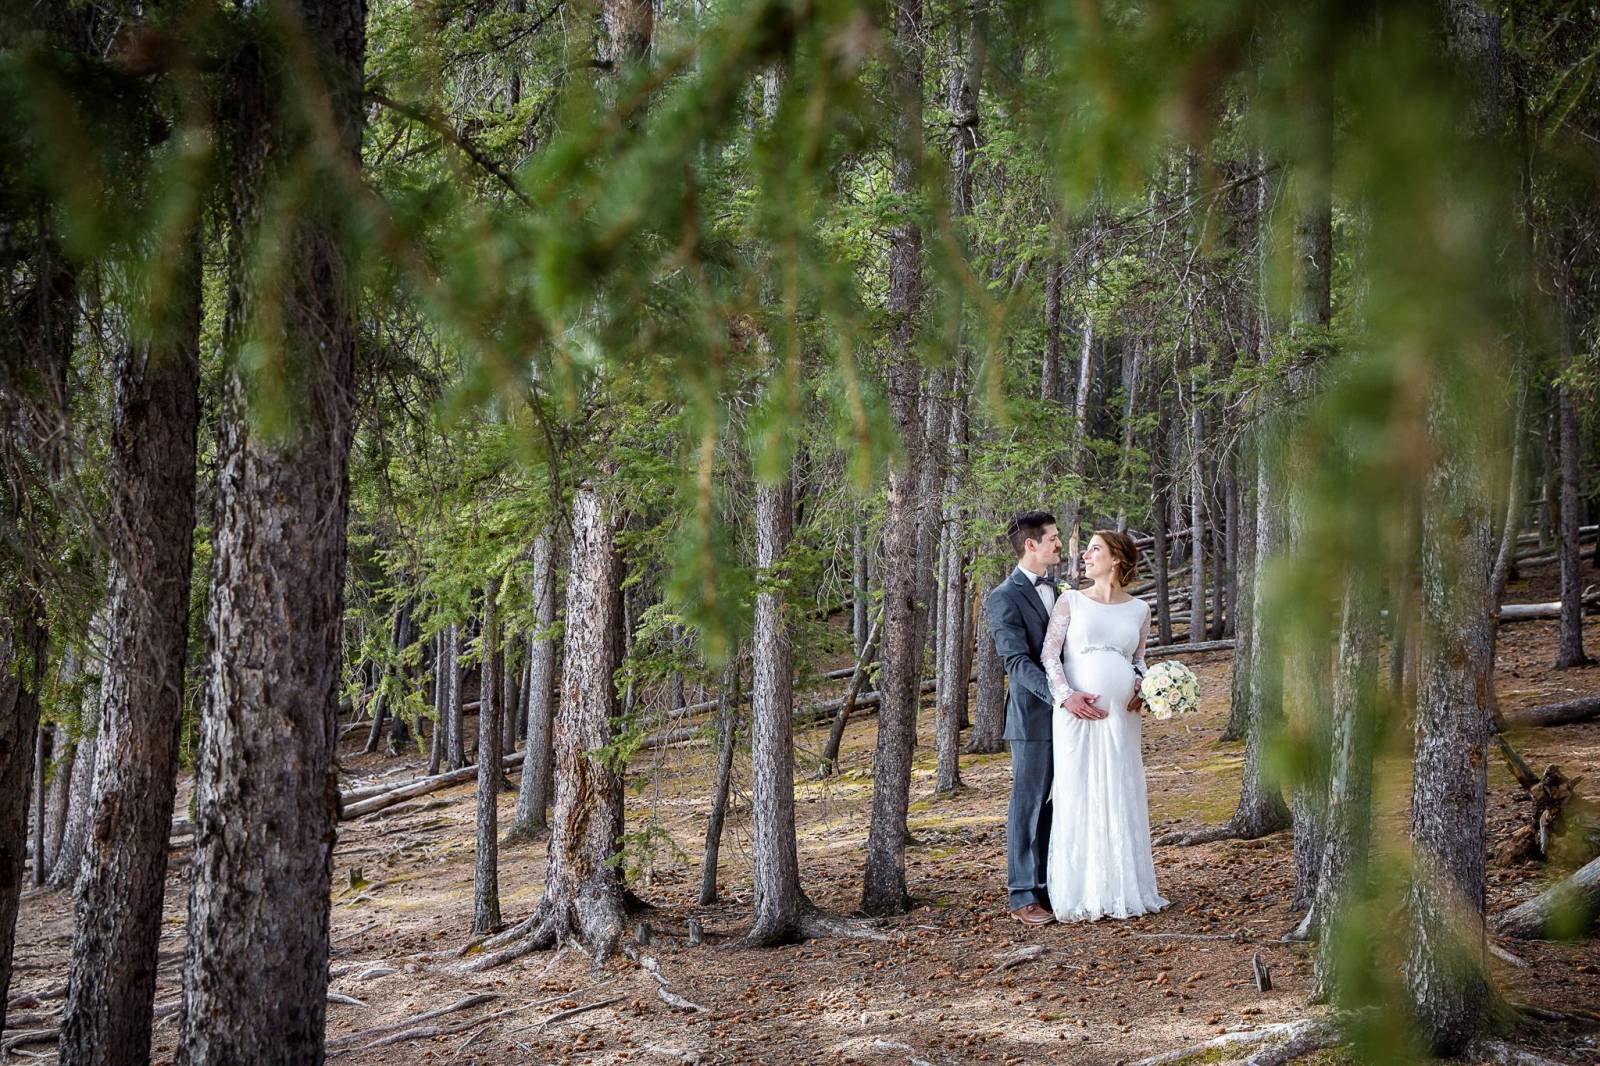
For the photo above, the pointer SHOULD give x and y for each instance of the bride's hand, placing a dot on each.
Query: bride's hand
(1137, 702)
(1081, 705)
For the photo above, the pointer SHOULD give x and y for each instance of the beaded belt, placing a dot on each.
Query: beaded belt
(1087, 648)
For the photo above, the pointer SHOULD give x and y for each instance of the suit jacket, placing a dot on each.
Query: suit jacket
(1018, 621)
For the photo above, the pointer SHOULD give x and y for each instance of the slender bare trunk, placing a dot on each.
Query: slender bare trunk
(727, 739)
(486, 870)
(884, 887)
(533, 797)
(780, 903)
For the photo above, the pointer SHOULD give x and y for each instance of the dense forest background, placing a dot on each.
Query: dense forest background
(529, 384)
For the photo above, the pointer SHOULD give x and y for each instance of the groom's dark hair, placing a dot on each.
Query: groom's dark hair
(1029, 525)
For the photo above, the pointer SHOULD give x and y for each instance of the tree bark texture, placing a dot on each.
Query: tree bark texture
(1444, 969)
(583, 883)
(1052, 382)
(533, 796)
(1341, 882)
(1445, 966)
(780, 902)
(1570, 651)
(486, 870)
(728, 698)
(1245, 569)
(455, 701)
(267, 789)
(22, 656)
(436, 744)
(111, 983)
(884, 888)
(989, 701)
(1261, 808)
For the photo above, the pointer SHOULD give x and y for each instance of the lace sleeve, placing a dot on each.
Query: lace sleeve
(1055, 638)
(1139, 666)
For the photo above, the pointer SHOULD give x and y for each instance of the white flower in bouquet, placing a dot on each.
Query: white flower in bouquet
(1170, 688)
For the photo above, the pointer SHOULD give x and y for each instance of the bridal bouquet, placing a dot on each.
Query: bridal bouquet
(1170, 688)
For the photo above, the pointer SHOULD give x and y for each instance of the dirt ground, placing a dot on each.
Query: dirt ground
(944, 986)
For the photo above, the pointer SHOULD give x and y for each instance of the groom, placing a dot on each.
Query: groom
(1019, 612)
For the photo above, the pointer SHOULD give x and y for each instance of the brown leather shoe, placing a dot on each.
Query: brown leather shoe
(1033, 914)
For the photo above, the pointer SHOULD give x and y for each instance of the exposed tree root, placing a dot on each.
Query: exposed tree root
(349, 1041)
(1287, 1041)
(810, 924)
(1503, 1054)
(663, 987)
(1188, 838)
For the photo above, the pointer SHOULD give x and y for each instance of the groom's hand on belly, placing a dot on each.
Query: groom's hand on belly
(1081, 705)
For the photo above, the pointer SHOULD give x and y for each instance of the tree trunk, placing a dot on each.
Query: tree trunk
(884, 887)
(41, 774)
(22, 657)
(1219, 565)
(1052, 384)
(955, 639)
(111, 983)
(1197, 583)
(1130, 405)
(1244, 568)
(59, 798)
(508, 695)
(267, 786)
(1341, 884)
(1570, 651)
(1445, 971)
(381, 713)
(1159, 548)
(455, 710)
(780, 903)
(486, 871)
(1505, 558)
(583, 897)
(989, 710)
(727, 735)
(1445, 964)
(533, 797)
(1261, 809)
(830, 751)
(860, 595)
(436, 743)
(68, 859)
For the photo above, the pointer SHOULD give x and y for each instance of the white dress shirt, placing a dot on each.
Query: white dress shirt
(1047, 595)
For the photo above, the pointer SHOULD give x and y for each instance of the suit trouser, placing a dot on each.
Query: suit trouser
(1028, 821)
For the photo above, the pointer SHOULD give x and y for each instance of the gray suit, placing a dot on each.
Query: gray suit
(1018, 620)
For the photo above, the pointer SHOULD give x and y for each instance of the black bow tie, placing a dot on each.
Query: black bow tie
(1045, 579)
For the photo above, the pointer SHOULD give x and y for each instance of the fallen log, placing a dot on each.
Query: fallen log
(1566, 712)
(1566, 909)
(421, 788)
(1524, 612)
(1188, 649)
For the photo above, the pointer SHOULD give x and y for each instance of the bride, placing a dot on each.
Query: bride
(1099, 860)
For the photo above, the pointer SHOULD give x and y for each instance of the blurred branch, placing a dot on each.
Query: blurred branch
(436, 122)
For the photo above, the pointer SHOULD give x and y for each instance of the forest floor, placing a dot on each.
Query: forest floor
(946, 985)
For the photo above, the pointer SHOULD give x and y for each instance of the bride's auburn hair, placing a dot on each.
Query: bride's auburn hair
(1123, 550)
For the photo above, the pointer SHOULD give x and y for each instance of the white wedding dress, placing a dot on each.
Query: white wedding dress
(1099, 862)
